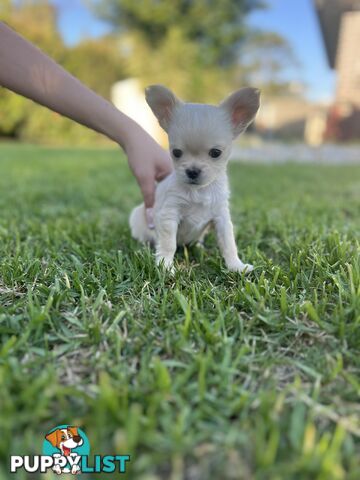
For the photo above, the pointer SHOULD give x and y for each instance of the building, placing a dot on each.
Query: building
(291, 117)
(340, 27)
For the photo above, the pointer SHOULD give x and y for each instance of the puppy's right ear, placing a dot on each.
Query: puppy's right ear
(162, 102)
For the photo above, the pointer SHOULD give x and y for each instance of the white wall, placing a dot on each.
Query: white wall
(129, 97)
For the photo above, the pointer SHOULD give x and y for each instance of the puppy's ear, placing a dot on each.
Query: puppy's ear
(53, 438)
(162, 102)
(73, 430)
(242, 107)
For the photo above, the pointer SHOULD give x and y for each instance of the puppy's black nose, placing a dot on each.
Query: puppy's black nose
(77, 438)
(193, 173)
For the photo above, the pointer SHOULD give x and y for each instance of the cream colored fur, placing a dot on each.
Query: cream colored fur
(185, 207)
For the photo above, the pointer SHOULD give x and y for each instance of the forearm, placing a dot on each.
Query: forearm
(26, 70)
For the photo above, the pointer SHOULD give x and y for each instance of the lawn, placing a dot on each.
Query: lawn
(204, 375)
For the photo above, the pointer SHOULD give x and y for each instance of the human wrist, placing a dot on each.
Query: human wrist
(132, 134)
(119, 127)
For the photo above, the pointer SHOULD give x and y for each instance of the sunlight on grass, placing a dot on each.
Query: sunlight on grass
(204, 375)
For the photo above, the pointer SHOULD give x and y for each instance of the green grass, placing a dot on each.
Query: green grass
(205, 375)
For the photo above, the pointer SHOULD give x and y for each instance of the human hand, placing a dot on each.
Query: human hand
(149, 163)
(26, 70)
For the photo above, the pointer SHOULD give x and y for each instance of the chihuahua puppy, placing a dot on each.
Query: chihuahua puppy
(196, 195)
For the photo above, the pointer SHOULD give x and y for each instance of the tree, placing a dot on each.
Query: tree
(264, 58)
(98, 63)
(216, 26)
(190, 45)
(200, 48)
(37, 22)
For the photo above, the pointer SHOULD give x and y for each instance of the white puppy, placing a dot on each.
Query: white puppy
(196, 194)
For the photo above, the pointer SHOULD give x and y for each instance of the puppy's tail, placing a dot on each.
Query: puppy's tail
(139, 227)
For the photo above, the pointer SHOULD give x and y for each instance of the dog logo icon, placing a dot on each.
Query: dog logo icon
(66, 444)
(66, 449)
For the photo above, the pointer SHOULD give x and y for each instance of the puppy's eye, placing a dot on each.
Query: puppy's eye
(177, 152)
(63, 437)
(215, 153)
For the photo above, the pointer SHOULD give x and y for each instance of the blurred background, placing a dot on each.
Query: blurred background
(302, 54)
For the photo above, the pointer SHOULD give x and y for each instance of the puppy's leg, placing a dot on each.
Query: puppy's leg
(226, 241)
(166, 242)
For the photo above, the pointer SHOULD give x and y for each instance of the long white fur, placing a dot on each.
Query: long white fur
(183, 211)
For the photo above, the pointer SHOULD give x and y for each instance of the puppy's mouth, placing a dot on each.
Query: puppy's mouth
(197, 183)
(66, 451)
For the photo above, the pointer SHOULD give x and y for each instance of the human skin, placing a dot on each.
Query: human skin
(26, 70)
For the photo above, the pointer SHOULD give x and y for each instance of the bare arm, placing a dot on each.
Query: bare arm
(26, 70)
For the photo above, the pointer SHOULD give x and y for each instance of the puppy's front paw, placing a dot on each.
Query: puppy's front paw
(241, 267)
(57, 469)
(75, 469)
(247, 268)
(166, 263)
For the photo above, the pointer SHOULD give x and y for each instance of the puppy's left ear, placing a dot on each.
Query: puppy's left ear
(242, 107)
(53, 438)
(162, 102)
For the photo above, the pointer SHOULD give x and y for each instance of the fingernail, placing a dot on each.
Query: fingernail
(149, 212)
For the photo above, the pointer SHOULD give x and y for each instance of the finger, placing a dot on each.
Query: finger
(164, 171)
(163, 174)
(147, 186)
(149, 213)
